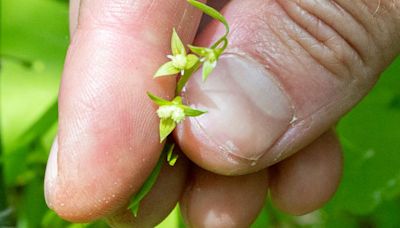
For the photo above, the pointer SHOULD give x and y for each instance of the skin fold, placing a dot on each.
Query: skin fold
(317, 59)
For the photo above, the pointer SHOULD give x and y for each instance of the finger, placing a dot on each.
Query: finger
(292, 69)
(73, 15)
(107, 140)
(159, 202)
(212, 200)
(307, 180)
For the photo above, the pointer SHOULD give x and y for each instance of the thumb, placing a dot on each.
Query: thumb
(293, 68)
(107, 140)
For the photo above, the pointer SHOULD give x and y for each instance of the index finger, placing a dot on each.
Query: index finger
(107, 140)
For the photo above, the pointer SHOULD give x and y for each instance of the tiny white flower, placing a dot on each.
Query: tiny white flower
(178, 61)
(178, 115)
(165, 111)
(171, 111)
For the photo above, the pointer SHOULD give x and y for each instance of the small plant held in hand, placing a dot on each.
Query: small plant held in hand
(174, 112)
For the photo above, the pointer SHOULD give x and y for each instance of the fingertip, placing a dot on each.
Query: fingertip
(307, 180)
(212, 200)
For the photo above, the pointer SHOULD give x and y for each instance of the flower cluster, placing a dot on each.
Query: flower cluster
(186, 64)
(171, 111)
(174, 112)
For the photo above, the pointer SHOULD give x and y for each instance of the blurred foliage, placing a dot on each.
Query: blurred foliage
(34, 38)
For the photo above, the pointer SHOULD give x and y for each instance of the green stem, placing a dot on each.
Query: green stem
(183, 80)
(150, 181)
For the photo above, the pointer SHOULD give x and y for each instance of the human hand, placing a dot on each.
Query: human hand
(292, 69)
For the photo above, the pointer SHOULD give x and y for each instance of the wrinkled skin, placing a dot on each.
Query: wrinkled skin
(292, 69)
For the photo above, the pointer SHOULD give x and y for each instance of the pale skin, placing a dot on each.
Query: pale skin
(324, 56)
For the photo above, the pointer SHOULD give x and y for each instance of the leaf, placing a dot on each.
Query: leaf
(33, 207)
(20, 36)
(146, 187)
(177, 46)
(371, 141)
(166, 127)
(174, 220)
(51, 219)
(395, 103)
(191, 61)
(208, 67)
(192, 112)
(210, 12)
(171, 156)
(172, 160)
(166, 69)
(42, 125)
(217, 16)
(201, 51)
(158, 100)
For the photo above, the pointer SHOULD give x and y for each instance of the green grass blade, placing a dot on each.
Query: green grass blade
(41, 126)
(147, 186)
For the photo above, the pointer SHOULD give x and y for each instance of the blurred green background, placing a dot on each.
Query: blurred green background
(34, 38)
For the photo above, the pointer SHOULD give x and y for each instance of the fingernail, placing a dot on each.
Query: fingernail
(247, 109)
(51, 171)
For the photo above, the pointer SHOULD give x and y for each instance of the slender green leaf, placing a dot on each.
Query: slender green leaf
(171, 156)
(172, 160)
(177, 46)
(166, 69)
(192, 112)
(5, 211)
(146, 187)
(166, 127)
(210, 12)
(216, 15)
(33, 207)
(41, 126)
(201, 51)
(208, 67)
(158, 100)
